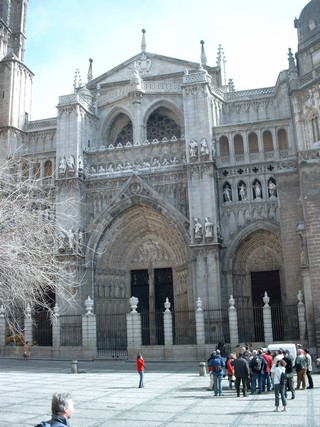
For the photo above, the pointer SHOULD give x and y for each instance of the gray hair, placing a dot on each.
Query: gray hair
(60, 401)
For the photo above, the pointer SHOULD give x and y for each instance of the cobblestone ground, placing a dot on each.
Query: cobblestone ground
(106, 394)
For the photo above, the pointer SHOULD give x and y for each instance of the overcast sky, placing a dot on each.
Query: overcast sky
(63, 34)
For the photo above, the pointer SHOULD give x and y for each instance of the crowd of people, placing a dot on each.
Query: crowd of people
(258, 371)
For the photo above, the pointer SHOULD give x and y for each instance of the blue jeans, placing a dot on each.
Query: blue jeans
(141, 380)
(267, 381)
(256, 377)
(217, 383)
(278, 388)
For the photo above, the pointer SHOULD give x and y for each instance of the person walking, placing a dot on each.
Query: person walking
(241, 371)
(279, 384)
(26, 351)
(217, 364)
(140, 369)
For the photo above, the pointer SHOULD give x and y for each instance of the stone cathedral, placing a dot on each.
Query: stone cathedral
(175, 185)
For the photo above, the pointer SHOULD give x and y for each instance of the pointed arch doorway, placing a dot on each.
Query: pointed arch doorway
(152, 287)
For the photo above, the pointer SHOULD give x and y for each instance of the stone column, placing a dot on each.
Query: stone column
(167, 323)
(200, 332)
(56, 331)
(301, 316)
(233, 323)
(89, 327)
(267, 321)
(2, 328)
(134, 338)
(28, 325)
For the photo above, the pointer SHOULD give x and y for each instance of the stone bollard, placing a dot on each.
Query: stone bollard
(202, 369)
(74, 367)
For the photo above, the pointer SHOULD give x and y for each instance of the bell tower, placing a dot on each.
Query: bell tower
(15, 77)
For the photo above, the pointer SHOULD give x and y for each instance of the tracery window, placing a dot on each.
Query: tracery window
(120, 130)
(162, 123)
(48, 168)
(238, 144)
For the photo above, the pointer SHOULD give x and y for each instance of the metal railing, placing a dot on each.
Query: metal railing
(71, 330)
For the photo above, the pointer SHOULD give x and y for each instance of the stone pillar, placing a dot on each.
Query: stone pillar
(89, 328)
(233, 323)
(134, 338)
(2, 328)
(56, 331)
(267, 321)
(167, 323)
(200, 332)
(28, 325)
(301, 317)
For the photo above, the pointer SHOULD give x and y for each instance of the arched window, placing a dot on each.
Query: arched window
(121, 130)
(267, 141)
(224, 146)
(48, 168)
(253, 143)
(315, 128)
(238, 144)
(282, 139)
(25, 171)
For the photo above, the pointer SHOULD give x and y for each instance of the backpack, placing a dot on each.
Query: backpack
(49, 424)
(215, 365)
(257, 364)
(283, 379)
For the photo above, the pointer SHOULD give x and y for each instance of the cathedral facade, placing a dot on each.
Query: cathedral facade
(172, 184)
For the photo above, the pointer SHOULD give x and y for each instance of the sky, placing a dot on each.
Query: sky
(63, 34)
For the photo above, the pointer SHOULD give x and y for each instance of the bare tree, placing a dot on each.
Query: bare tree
(30, 270)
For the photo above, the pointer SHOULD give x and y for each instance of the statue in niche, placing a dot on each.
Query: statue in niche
(197, 229)
(111, 168)
(128, 166)
(70, 164)
(62, 166)
(204, 150)
(257, 190)
(208, 227)
(243, 192)
(227, 194)
(80, 241)
(272, 189)
(119, 166)
(80, 164)
(101, 169)
(71, 239)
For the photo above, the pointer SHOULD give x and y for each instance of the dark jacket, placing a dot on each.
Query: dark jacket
(56, 421)
(241, 367)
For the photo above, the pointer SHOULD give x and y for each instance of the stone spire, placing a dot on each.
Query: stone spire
(203, 58)
(143, 42)
(90, 70)
(292, 71)
(221, 62)
(77, 81)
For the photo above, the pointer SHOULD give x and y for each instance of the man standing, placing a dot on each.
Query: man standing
(301, 365)
(309, 368)
(257, 365)
(241, 371)
(217, 364)
(289, 372)
(62, 410)
(267, 372)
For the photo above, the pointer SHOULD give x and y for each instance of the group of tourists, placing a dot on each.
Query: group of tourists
(259, 371)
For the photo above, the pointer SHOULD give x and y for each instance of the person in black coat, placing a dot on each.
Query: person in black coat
(241, 372)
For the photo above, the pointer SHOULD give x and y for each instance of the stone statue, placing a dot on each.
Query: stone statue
(208, 227)
(70, 164)
(62, 166)
(193, 148)
(257, 190)
(272, 189)
(71, 239)
(204, 150)
(197, 229)
(243, 192)
(227, 194)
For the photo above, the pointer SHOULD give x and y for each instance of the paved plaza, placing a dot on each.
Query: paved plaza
(106, 394)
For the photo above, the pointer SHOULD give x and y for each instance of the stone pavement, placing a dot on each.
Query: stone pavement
(106, 394)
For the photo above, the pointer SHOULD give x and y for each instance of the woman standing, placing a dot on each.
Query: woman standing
(279, 384)
(140, 369)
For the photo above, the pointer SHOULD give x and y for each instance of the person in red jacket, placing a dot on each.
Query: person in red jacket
(140, 369)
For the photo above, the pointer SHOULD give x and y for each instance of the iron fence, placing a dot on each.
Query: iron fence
(42, 329)
(112, 335)
(71, 330)
(216, 325)
(184, 327)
